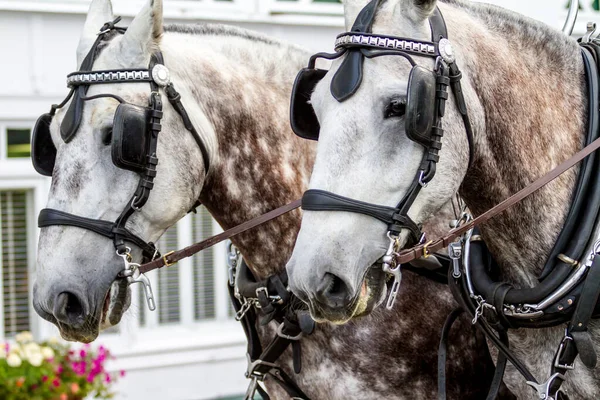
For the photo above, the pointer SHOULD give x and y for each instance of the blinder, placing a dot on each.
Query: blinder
(43, 151)
(130, 137)
(302, 115)
(420, 107)
(130, 140)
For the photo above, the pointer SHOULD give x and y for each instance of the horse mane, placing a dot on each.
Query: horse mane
(221, 30)
(530, 32)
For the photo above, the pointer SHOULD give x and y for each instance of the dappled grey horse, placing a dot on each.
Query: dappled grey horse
(238, 157)
(521, 110)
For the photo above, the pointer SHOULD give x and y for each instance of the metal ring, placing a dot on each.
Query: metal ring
(133, 204)
(421, 176)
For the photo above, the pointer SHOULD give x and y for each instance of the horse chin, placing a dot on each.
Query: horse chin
(117, 301)
(372, 294)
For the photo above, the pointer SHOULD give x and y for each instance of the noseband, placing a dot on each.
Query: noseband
(425, 108)
(134, 140)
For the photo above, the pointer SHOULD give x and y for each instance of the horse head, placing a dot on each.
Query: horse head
(102, 149)
(375, 110)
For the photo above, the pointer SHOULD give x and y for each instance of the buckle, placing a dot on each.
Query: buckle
(426, 253)
(167, 262)
(560, 352)
(288, 337)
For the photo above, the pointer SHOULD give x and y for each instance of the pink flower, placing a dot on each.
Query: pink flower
(90, 378)
(56, 382)
(107, 378)
(82, 353)
(59, 369)
(64, 396)
(122, 373)
(45, 378)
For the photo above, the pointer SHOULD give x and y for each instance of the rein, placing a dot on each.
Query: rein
(403, 257)
(173, 257)
(425, 250)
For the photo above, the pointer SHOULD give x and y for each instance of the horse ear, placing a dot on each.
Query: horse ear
(421, 9)
(351, 10)
(144, 33)
(100, 12)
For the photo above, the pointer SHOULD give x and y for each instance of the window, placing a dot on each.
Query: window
(18, 142)
(14, 281)
(185, 293)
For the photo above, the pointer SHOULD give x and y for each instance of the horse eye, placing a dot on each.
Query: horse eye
(396, 108)
(106, 134)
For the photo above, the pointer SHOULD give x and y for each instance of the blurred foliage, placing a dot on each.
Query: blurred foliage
(53, 371)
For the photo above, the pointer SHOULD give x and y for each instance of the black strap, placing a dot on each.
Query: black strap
(49, 217)
(175, 100)
(248, 287)
(442, 358)
(443, 350)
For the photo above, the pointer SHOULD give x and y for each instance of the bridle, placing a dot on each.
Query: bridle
(132, 125)
(425, 109)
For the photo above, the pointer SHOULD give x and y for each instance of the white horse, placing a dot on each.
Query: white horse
(235, 85)
(525, 92)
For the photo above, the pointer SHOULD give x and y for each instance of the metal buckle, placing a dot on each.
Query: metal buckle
(167, 263)
(559, 353)
(455, 252)
(232, 261)
(264, 290)
(543, 389)
(288, 337)
(426, 253)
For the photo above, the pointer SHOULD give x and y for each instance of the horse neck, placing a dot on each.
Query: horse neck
(528, 96)
(243, 85)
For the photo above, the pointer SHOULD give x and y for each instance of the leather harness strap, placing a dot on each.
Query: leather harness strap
(421, 250)
(405, 256)
(174, 257)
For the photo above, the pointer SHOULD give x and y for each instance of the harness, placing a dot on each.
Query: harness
(569, 285)
(133, 144)
(260, 302)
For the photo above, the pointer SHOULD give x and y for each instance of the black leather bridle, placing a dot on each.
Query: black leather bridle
(359, 44)
(150, 117)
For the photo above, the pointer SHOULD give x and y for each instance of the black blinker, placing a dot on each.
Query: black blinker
(420, 105)
(130, 137)
(303, 120)
(43, 151)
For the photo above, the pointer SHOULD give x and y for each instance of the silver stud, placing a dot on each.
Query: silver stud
(446, 51)
(161, 75)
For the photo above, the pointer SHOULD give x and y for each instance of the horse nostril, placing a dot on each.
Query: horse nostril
(332, 291)
(69, 310)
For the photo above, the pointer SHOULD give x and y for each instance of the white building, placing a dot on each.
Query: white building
(190, 348)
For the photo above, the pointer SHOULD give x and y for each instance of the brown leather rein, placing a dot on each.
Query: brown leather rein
(175, 256)
(405, 256)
